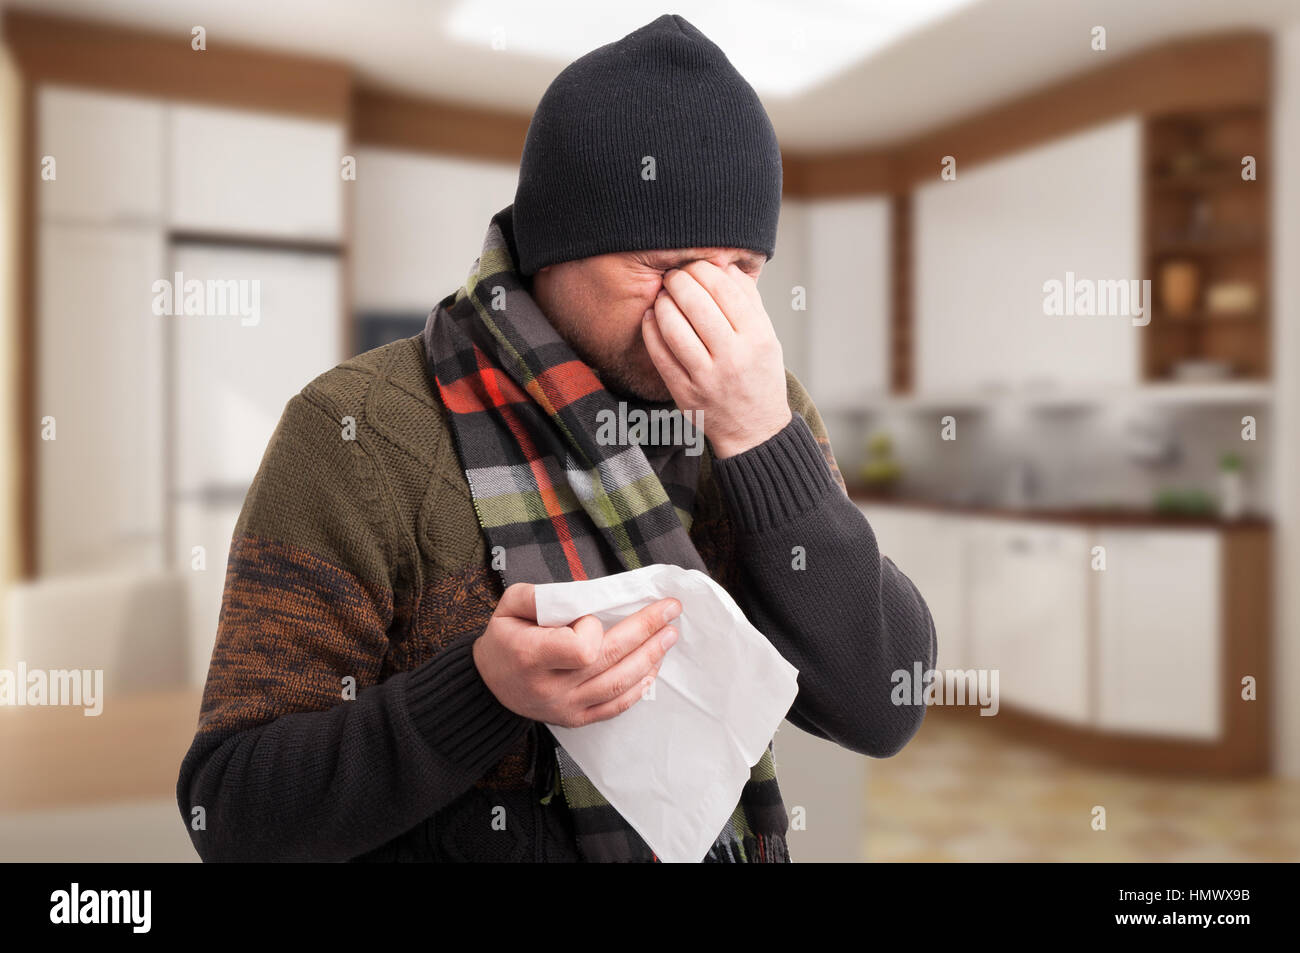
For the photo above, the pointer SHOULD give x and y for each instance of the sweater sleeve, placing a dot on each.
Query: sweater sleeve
(302, 753)
(815, 583)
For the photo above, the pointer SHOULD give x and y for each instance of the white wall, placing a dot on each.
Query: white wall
(1286, 371)
(1081, 455)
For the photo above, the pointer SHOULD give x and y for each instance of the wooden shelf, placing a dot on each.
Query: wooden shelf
(1198, 208)
(1197, 182)
(1207, 317)
(1208, 246)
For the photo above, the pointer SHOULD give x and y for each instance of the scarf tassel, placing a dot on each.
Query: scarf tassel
(760, 849)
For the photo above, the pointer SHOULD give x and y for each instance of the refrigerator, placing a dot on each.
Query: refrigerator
(259, 324)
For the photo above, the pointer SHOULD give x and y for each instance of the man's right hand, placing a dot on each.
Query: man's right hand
(575, 674)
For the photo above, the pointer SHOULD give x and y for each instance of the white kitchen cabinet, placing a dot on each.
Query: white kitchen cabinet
(848, 301)
(108, 156)
(211, 525)
(929, 548)
(827, 783)
(1029, 614)
(986, 243)
(400, 262)
(100, 376)
(234, 374)
(275, 176)
(1158, 627)
(787, 270)
(232, 381)
(1132, 649)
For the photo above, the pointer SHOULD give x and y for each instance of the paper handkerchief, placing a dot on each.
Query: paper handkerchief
(674, 765)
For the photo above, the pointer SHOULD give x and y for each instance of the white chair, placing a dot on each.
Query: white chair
(132, 625)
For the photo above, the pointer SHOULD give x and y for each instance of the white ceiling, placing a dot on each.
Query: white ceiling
(988, 51)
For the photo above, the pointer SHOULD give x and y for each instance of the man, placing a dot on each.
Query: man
(380, 688)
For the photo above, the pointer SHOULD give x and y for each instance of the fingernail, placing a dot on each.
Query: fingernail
(672, 610)
(667, 638)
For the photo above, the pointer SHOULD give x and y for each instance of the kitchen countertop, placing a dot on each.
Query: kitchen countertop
(1086, 515)
(58, 757)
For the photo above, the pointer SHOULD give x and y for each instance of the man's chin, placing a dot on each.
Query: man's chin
(654, 391)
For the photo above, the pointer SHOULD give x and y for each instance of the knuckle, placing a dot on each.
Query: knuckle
(607, 656)
(519, 653)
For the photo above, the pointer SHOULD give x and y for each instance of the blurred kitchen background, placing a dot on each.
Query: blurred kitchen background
(993, 447)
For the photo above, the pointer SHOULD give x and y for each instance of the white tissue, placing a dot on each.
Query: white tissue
(674, 766)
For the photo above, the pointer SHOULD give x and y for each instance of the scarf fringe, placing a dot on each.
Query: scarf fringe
(759, 849)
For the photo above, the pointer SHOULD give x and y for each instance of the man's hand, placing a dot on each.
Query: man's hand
(718, 353)
(575, 674)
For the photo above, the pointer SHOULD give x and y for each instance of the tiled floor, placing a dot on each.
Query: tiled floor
(961, 791)
(126, 831)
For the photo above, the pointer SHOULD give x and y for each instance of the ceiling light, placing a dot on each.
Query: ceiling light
(783, 48)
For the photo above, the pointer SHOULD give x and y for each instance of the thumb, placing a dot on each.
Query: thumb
(519, 601)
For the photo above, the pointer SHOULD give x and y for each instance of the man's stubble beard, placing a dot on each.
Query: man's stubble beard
(622, 375)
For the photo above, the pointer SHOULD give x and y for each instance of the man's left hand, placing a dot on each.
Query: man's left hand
(716, 349)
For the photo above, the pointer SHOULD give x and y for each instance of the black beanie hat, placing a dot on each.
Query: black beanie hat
(666, 92)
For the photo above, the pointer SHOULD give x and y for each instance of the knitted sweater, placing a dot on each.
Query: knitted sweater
(343, 717)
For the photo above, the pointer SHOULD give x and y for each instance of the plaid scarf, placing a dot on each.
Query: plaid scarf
(559, 505)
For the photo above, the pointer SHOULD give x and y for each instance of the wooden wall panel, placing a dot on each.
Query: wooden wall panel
(78, 52)
(395, 120)
(902, 339)
(1203, 73)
